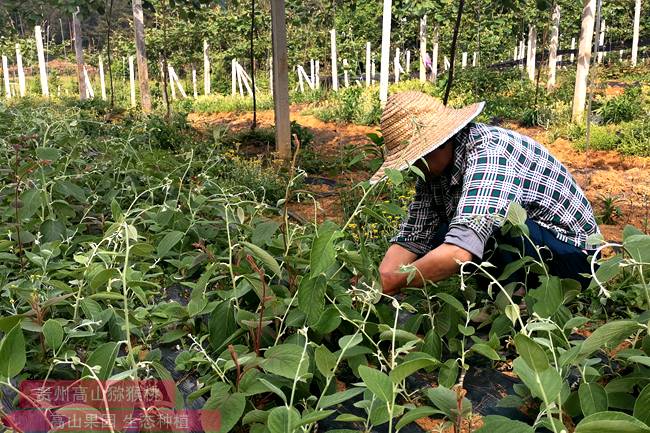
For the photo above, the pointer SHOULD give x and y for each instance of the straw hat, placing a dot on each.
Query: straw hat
(414, 124)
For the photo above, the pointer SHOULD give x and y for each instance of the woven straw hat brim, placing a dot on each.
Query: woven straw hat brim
(414, 124)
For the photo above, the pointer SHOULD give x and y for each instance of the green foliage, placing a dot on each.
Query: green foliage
(623, 108)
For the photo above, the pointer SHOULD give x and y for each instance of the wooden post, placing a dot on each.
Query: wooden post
(532, 52)
(335, 78)
(385, 53)
(21, 72)
(206, 69)
(5, 73)
(584, 59)
(346, 78)
(132, 81)
(194, 82)
(102, 82)
(573, 47)
(141, 52)
(368, 61)
(42, 69)
(79, 54)
(601, 42)
(423, 48)
(280, 80)
(463, 62)
(635, 36)
(555, 40)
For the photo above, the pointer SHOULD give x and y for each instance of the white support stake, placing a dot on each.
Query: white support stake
(635, 33)
(335, 78)
(5, 73)
(368, 64)
(385, 52)
(206, 68)
(373, 71)
(447, 64)
(132, 81)
(194, 92)
(21, 72)
(312, 70)
(396, 65)
(233, 76)
(423, 48)
(601, 41)
(42, 69)
(239, 79)
(181, 89)
(532, 53)
(90, 93)
(245, 79)
(555, 40)
(474, 59)
(102, 82)
(573, 48)
(434, 57)
(346, 77)
(317, 74)
(463, 63)
(171, 81)
(301, 84)
(408, 63)
(584, 60)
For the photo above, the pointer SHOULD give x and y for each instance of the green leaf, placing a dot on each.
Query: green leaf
(311, 297)
(486, 350)
(312, 417)
(283, 419)
(545, 385)
(52, 230)
(415, 414)
(501, 424)
(53, 333)
(611, 422)
(377, 382)
(230, 407)
(285, 360)
(593, 398)
(12, 353)
(104, 356)
(447, 401)
(405, 369)
(323, 254)
(512, 312)
(395, 176)
(448, 373)
(222, 324)
(339, 397)
(48, 153)
(266, 258)
(642, 405)
(531, 352)
(101, 278)
(452, 301)
(173, 335)
(325, 360)
(263, 232)
(168, 242)
(610, 334)
(516, 214)
(638, 359)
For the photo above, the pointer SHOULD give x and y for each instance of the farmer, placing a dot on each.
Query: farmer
(473, 172)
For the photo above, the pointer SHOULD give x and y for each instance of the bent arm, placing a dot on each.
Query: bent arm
(436, 265)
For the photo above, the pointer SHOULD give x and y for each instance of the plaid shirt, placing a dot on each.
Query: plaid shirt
(493, 167)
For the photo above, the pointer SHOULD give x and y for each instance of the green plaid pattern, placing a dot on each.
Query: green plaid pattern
(493, 167)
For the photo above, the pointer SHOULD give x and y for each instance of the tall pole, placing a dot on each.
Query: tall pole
(102, 81)
(532, 52)
(5, 73)
(206, 69)
(368, 61)
(584, 59)
(79, 54)
(141, 53)
(423, 48)
(434, 57)
(385, 53)
(42, 69)
(635, 37)
(132, 82)
(335, 78)
(552, 57)
(280, 80)
(21, 72)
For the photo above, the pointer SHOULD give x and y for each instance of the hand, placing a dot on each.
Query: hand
(391, 279)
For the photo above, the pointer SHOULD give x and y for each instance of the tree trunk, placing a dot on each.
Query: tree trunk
(454, 42)
(79, 54)
(385, 52)
(141, 52)
(584, 59)
(280, 80)
(109, 54)
(532, 53)
(635, 36)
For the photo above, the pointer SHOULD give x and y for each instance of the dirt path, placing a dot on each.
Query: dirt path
(600, 173)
